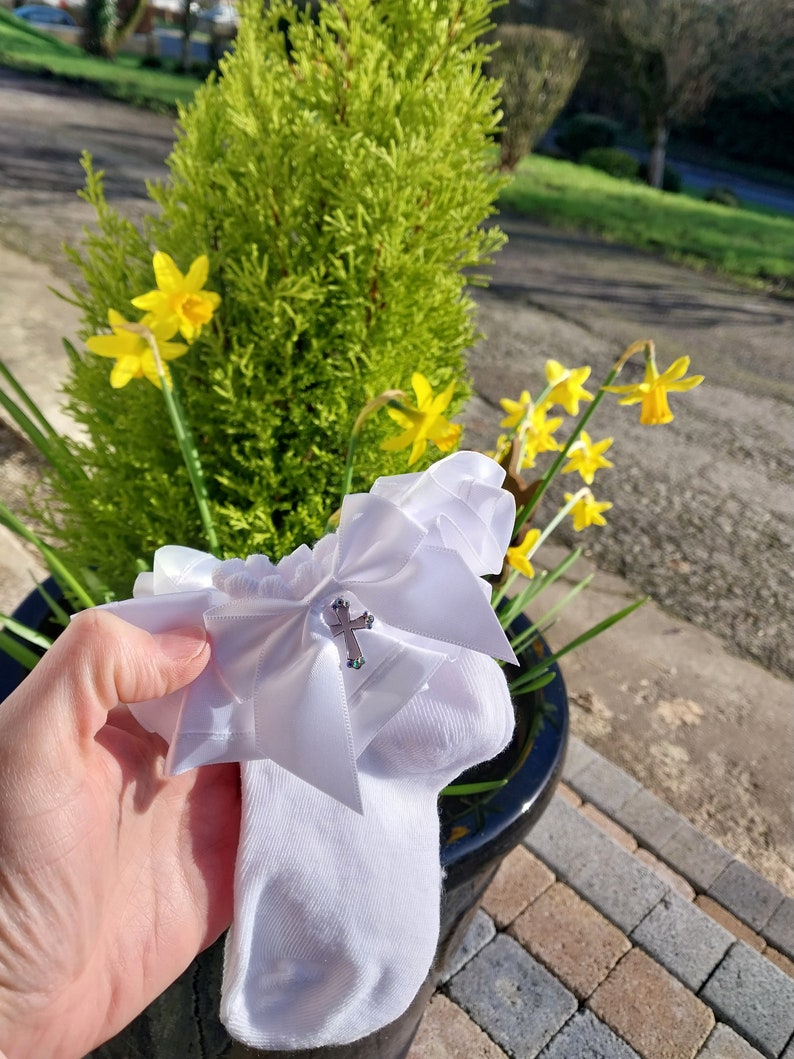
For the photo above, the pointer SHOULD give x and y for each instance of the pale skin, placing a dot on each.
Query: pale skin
(112, 877)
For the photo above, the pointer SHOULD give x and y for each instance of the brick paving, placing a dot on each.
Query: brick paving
(618, 931)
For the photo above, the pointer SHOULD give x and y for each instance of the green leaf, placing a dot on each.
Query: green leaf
(460, 789)
(526, 678)
(25, 632)
(27, 658)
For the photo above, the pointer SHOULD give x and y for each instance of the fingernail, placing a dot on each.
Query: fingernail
(182, 644)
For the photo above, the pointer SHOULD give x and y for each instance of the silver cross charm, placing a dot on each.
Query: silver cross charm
(345, 626)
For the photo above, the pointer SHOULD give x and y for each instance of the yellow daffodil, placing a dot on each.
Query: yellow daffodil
(132, 352)
(586, 457)
(425, 422)
(502, 446)
(567, 386)
(587, 511)
(538, 437)
(653, 390)
(180, 300)
(518, 557)
(516, 410)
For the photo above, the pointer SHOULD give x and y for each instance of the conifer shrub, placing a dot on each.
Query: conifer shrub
(612, 160)
(337, 174)
(538, 69)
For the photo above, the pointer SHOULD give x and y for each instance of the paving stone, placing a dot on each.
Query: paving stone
(446, 1032)
(697, 857)
(651, 1010)
(747, 894)
(780, 960)
(605, 785)
(789, 1052)
(577, 757)
(570, 795)
(666, 874)
(571, 939)
(520, 880)
(683, 939)
(754, 997)
(725, 1044)
(649, 819)
(512, 997)
(779, 931)
(481, 931)
(586, 1037)
(619, 886)
(562, 838)
(730, 922)
(615, 831)
(596, 867)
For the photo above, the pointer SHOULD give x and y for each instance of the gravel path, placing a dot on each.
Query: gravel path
(702, 516)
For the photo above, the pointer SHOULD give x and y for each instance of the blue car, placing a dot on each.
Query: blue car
(42, 15)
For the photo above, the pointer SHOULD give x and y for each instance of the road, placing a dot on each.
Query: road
(691, 696)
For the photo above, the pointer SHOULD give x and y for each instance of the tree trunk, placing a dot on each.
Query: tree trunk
(100, 17)
(657, 157)
(188, 21)
(134, 14)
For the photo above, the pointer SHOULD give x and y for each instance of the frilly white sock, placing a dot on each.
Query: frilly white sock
(344, 746)
(336, 914)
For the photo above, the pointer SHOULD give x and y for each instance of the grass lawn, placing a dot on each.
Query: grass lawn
(24, 48)
(751, 246)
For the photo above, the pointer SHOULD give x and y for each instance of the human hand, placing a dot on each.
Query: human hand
(112, 877)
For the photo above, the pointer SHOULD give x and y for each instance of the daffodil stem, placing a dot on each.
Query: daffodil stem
(550, 473)
(347, 477)
(388, 397)
(500, 593)
(529, 634)
(518, 602)
(187, 446)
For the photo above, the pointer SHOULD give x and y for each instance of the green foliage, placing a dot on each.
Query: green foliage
(612, 160)
(538, 69)
(339, 192)
(752, 127)
(583, 132)
(748, 246)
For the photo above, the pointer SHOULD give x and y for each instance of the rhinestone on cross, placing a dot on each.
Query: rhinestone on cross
(348, 627)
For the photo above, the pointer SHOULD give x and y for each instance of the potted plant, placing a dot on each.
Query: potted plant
(312, 251)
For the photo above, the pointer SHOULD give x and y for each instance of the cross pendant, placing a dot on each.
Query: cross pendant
(347, 627)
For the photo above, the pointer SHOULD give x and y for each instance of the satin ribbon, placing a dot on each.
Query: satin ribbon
(411, 552)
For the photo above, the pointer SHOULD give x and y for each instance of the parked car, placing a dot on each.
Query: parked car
(220, 17)
(43, 15)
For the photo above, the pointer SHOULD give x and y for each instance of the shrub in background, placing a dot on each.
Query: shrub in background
(723, 196)
(538, 69)
(612, 160)
(583, 132)
(671, 178)
(338, 186)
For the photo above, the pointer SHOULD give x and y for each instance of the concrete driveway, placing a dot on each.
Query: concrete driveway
(691, 695)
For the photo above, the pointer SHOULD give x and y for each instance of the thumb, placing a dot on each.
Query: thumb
(98, 662)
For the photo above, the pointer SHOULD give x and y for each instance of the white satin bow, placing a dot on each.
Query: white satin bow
(411, 552)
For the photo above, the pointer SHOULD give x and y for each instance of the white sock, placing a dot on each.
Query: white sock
(337, 914)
